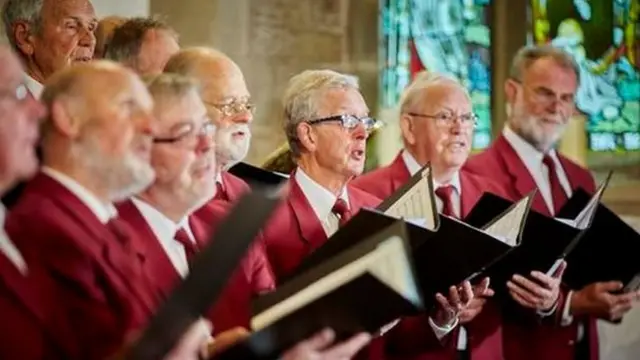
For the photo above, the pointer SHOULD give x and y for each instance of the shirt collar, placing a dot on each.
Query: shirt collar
(529, 154)
(321, 199)
(410, 162)
(104, 212)
(34, 87)
(162, 226)
(455, 182)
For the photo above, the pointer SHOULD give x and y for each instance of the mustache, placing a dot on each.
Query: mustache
(235, 128)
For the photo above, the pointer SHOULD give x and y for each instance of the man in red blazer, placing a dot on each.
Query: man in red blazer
(437, 126)
(229, 106)
(32, 326)
(168, 234)
(96, 144)
(540, 93)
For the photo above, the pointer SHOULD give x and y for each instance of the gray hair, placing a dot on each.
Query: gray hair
(29, 11)
(171, 85)
(527, 55)
(301, 99)
(423, 81)
(125, 43)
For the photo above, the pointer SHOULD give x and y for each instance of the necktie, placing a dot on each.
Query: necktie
(221, 194)
(558, 196)
(190, 248)
(444, 193)
(341, 209)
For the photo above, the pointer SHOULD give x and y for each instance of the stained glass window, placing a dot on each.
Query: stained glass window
(602, 35)
(446, 36)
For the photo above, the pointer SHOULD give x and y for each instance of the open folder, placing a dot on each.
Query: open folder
(207, 278)
(609, 250)
(257, 177)
(545, 241)
(361, 289)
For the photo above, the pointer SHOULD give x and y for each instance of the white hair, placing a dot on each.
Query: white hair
(29, 11)
(300, 101)
(424, 81)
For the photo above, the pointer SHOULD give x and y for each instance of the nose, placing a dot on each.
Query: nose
(146, 123)
(456, 126)
(87, 38)
(360, 132)
(243, 117)
(205, 143)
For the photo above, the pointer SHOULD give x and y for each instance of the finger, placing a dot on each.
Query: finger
(349, 348)
(467, 293)
(618, 311)
(628, 298)
(320, 340)
(560, 270)
(521, 300)
(544, 279)
(481, 289)
(532, 287)
(489, 293)
(524, 294)
(443, 302)
(454, 298)
(609, 286)
(227, 339)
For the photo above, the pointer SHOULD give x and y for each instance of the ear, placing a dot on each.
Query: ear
(308, 139)
(63, 121)
(511, 90)
(24, 37)
(406, 127)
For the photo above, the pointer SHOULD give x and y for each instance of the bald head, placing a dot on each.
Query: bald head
(225, 93)
(19, 116)
(100, 125)
(104, 32)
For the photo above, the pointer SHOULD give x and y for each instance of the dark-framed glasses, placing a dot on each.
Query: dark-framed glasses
(234, 107)
(350, 121)
(188, 133)
(468, 120)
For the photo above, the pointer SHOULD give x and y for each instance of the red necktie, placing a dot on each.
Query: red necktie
(341, 209)
(558, 196)
(221, 193)
(190, 248)
(444, 193)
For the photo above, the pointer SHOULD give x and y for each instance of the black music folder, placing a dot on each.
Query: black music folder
(545, 241)
(207, 278)
(609, 250)
(360, 289)
(257, 177)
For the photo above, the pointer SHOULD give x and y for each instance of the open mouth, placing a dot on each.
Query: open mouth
(357, 154)
(457, 145)
(82, 59)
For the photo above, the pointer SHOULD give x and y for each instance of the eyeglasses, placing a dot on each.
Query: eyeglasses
(234, 107)
(350, 121)
(19, 93)
(469, 120)
(188, 134)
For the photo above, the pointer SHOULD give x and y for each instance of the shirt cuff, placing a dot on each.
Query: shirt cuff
(441, 332)
(567, 318)
(546, 313)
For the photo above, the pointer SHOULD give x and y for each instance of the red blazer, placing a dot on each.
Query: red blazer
(104, 294)
(234, 306)
(295, 231)
(232, 187)
(32, 326)
(501, 163)
(413, 337)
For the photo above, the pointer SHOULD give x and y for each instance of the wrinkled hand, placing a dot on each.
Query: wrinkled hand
(225, 340)
(318, 347)
(541, 294)
(597, 300)
(480, 294)
(448, 309)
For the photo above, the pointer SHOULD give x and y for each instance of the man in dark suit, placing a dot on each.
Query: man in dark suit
(437, 121)
(540, 92)
(96, 143)
(229, 106)
(169, 234)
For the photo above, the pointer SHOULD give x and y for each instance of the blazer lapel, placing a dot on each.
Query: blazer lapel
(200, 231)
(469, 194)
(309, 225)
(520, 176)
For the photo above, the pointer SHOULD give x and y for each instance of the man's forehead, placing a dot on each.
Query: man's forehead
(81, 9)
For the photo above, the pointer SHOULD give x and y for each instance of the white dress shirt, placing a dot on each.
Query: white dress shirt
(104, 212)
(413, 167)
(8, 248)
(34, 87)
(165, 229)
(322, 201)
(532, 159)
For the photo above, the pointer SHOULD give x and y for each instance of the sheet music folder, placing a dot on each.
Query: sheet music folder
(545, 241)
(257, 177)
(361, 289)
(207, 278)
(609, 250)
